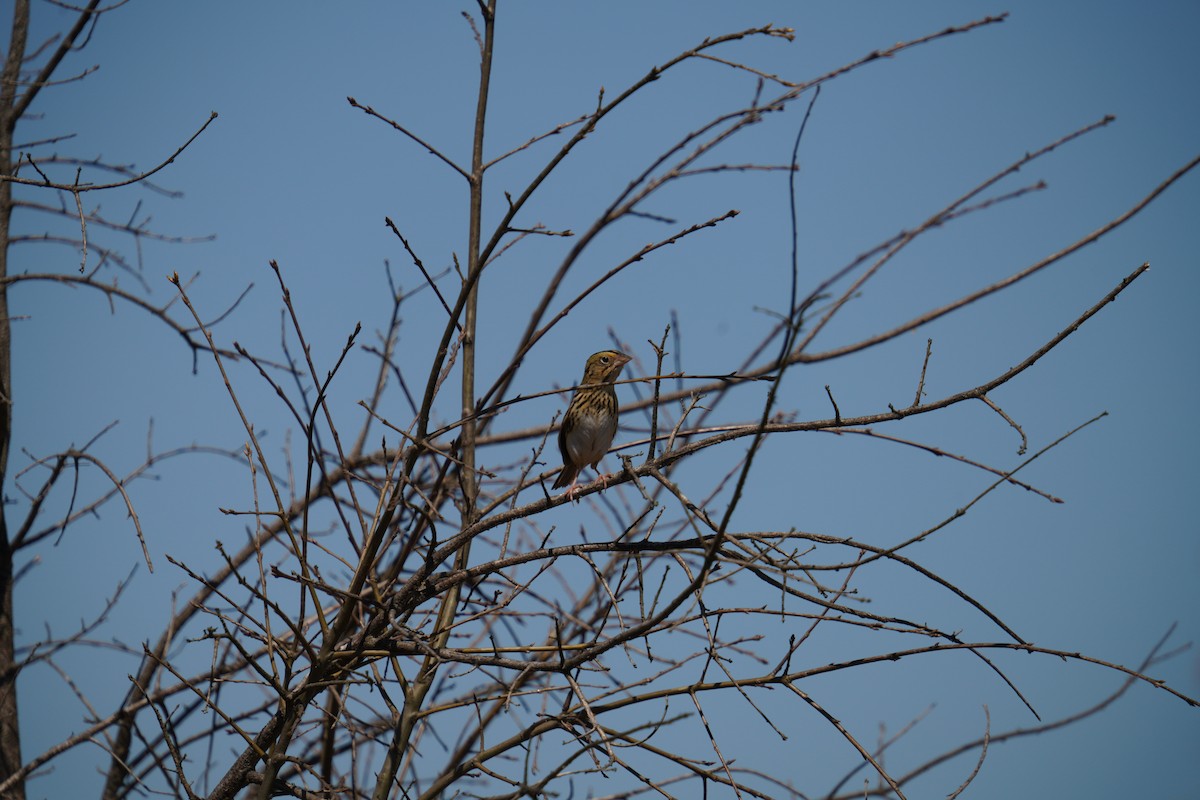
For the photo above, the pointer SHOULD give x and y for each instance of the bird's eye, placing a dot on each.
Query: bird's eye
(605, 359)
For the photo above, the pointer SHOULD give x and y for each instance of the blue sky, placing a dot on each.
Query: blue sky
(291, 172)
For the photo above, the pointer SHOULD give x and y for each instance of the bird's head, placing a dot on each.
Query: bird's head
(604, 366)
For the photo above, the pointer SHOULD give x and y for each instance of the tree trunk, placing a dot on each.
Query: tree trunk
(10, 731)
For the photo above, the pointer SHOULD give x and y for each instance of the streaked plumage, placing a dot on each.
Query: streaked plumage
(590, 423)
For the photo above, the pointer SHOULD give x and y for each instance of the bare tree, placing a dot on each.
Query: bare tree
(403, 618)
(26, 163)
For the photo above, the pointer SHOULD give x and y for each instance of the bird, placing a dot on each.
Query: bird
(590, 423)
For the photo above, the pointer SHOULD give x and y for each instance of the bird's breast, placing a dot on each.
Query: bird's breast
(591, 438)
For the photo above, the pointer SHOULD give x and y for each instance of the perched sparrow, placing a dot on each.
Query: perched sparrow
(590, 423)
